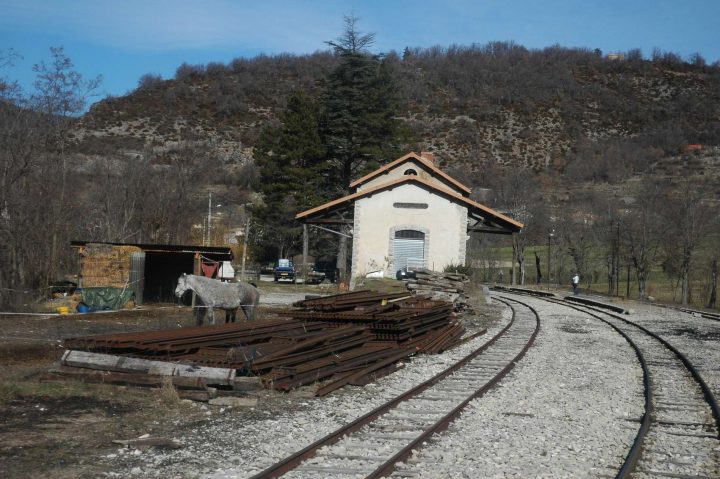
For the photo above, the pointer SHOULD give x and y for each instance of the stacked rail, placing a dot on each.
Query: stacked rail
(344, 339)
(427, 325)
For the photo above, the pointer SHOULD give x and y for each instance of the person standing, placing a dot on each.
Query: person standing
(575, 283)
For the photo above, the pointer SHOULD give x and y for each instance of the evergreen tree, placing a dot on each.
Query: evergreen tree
(318, 149)
(359, 107)
(291, 165)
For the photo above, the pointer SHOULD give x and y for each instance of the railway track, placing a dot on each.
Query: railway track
(694, 312)
(373, 444)
(679, 434)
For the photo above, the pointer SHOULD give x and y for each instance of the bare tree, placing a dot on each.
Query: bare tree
(577, 232)
(120, 187)
(174, 195)
(21, 137)
(610, 218)
(518, 194)
(686, 216)
(713, 283)
(61, 93)
(642, 232)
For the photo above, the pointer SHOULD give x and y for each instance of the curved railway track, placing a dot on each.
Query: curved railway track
(679, 434)
(373, 444)
(694, 312)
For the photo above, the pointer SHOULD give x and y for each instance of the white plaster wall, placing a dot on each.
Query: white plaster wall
(444, 221)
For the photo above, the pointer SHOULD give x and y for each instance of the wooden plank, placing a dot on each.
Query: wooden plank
(203, 396)
(109, 377)
(245, 383)
(110, 362)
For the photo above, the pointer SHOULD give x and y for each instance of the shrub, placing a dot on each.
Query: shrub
(458, 268)
(149, 80)
(186, 71)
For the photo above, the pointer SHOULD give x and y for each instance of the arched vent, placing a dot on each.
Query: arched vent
(410, 171)
(410, 234)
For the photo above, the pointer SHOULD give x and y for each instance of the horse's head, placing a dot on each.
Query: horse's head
(181, 286)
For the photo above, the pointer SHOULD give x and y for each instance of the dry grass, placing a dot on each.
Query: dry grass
(168, 393)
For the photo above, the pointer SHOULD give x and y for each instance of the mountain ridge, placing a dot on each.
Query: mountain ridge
(498, 105)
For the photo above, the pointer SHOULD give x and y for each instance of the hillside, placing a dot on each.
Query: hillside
(500, 105)
(560, 138)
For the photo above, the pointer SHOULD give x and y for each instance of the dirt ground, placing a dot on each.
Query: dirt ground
(55, 428)
(59, 428)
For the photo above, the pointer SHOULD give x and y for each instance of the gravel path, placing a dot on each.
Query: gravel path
(277, 299)
(568, 409)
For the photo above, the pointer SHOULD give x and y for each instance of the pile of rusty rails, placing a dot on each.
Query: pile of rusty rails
(428, 325)
(350, 338)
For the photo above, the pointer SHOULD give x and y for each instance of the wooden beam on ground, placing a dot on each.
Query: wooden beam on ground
(135, 379)
(122, 364)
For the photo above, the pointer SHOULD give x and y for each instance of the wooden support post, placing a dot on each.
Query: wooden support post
(305, 252)
(245, 243)
(197, 268)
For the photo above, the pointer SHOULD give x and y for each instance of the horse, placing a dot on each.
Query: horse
(216, 294)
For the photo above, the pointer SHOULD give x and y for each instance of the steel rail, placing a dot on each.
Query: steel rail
(294, 460)
(695, 312)
(443, 423)
(636, 449)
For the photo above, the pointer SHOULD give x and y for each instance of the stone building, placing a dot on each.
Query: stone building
(408, 214)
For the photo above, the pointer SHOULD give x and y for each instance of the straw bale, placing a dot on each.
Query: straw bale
(106, 265)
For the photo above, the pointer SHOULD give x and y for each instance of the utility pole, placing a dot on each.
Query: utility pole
(551, 233)
(245, 242)
(207, 233)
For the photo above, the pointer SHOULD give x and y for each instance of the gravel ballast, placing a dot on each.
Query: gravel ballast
(568, 409)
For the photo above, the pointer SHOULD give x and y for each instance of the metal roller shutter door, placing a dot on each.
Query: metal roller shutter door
(137, 275)
(408, 253)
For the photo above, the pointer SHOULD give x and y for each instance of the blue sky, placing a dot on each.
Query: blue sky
(125, 39)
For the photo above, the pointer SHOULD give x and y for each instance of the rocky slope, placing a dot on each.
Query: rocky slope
(555, 110)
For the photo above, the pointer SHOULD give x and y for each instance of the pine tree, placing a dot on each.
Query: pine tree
(292, 169)
(319, 148)
(359, 107)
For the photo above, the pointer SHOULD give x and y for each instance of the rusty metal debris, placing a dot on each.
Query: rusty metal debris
(348, 338)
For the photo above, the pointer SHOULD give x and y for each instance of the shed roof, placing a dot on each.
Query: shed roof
(162, 248)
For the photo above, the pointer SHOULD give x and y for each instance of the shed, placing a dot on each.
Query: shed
(150, 270)
(409, 214)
